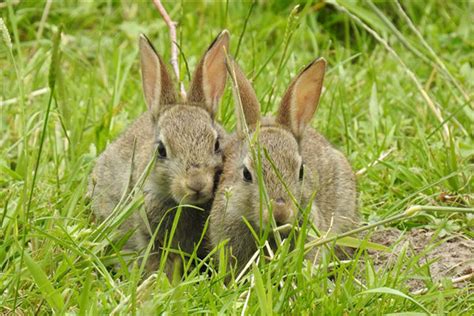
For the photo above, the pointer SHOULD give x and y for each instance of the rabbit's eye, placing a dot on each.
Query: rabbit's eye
(217, 146)
(161, 150)
(301, 172)
(247, 175)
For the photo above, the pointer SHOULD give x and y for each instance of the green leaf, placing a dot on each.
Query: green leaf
(84, 302)
(358, 243)
(355, 243)
(50, 294)
(387, 290)
(260, 289)
(374, 107)
(452, 164)
(371, 275)
(364, 14)
(7, 171)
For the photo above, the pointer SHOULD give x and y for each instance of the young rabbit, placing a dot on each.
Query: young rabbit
(306, 161)
(188, 146)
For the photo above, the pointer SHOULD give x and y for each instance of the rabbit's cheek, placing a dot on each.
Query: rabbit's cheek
(177, 192)
(178, 189)
(217, 178)
(160, 179)
(249, 202)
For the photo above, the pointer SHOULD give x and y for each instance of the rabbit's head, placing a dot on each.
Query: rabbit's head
(283, 171)
(188, 140)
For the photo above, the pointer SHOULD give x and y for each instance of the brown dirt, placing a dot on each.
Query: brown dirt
(449, 257)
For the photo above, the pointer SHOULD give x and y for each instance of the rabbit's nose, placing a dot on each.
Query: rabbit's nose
(196, 184)
(280, 201)
(282, 212)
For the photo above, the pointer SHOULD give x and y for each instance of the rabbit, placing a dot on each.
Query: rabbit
(306, 161)
(188, 144)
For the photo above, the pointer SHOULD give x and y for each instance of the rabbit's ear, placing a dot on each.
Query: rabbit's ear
(247, 107)
(157, 84)
(209, 79)
(302, 97)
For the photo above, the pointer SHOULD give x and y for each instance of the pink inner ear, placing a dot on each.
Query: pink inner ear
(302, 97)
(306, 94)
(214, 75)
(307, 97)
(304, 112)
(150, 83)
(150, 75)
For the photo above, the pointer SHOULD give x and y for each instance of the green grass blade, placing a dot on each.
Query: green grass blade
(386, 290)
(264, 305)
(50, 294)
(358, 243)
(51, 79)
(84, 299)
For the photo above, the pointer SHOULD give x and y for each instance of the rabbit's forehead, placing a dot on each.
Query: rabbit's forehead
(186, 122)
(282, 149)
(189, 133)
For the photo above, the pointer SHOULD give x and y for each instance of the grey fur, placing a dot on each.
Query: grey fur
(289, 142)
(187, 174)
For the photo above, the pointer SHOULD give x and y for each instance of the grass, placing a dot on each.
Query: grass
(393, 84)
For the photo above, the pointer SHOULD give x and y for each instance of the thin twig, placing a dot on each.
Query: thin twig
(174, 46)
(32, 95)
(247, 293)
(315, 259)
(431, 104)
(438, 60)
(463, 278)
(382, 156)
(247, 266)
(409, 212)
(5, 4)
(460, 279)
(283, 228)
(47, 7)
(272, 256)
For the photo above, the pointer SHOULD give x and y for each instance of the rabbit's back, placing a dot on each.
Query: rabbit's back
(335, 185)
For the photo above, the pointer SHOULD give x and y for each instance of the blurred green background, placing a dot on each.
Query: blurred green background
(400, 81)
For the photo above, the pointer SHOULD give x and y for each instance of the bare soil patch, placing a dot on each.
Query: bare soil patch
(451, 257)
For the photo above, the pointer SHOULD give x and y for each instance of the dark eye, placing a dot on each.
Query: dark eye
(247, 175)
(161, 150)
(301, 172)
(217, 146)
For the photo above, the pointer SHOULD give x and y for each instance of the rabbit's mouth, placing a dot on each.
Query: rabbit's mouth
(194, 197)
(194, 188)
(197, 189)
(198, 198)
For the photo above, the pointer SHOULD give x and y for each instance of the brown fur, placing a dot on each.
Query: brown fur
(187, 174)
(289, 142)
